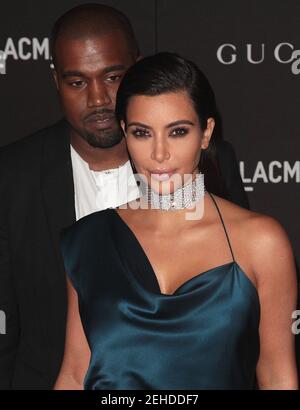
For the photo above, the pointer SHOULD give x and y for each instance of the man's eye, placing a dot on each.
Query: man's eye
(179, 132)
(139, 132)
(77, 84)
(114, 78)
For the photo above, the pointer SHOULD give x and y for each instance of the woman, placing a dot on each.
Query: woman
(191, 291)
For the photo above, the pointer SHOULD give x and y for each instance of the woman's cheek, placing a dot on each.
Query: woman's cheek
(138, 153)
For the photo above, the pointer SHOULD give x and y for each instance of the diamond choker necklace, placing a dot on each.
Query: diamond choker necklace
(182, 198)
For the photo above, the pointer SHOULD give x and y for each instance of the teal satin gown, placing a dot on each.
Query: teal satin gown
(203, 336)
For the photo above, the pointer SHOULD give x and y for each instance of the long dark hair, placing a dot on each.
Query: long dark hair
(168, 72)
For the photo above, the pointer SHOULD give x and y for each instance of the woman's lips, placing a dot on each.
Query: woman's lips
(161, 175)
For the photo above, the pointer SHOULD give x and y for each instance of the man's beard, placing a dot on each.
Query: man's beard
(102, 137)
(105, 138)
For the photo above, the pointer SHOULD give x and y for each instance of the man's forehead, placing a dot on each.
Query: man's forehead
(111, 39)
(97, 51)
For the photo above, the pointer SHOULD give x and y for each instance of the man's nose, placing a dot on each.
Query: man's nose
(160, 151)
(98, 95)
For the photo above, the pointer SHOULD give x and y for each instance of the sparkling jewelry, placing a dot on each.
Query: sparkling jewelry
(182, 198)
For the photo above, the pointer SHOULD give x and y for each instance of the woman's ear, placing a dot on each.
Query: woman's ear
(208, 133)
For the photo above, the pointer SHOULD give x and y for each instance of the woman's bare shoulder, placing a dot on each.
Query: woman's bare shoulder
(245, 216)
(262, 242)
(263, 231)
(235, 213)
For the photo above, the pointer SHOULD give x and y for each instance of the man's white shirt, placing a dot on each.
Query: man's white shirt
(99, 190)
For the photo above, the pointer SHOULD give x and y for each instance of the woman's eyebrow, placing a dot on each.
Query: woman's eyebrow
(172, 124)
(139, 124)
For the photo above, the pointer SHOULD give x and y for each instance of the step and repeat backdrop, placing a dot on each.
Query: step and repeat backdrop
(250, 51)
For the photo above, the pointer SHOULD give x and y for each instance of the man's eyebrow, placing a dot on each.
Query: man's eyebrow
(116, 67)
(72, 74)
(106, 70)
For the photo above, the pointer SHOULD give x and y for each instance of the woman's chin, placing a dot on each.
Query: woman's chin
(162, 188)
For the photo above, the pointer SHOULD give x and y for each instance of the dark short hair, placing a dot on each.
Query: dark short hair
(93, 19)
(166, 73)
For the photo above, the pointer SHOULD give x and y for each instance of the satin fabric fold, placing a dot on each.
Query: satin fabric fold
(204, 336)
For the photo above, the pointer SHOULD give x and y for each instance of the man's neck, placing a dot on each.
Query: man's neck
(100, 159)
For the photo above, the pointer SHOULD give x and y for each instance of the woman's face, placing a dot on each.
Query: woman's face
(164, 139)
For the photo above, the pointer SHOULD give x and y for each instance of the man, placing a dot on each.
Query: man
(52, 178)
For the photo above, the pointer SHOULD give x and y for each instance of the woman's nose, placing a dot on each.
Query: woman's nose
(160, 151)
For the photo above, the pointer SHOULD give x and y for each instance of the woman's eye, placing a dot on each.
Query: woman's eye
(179, 132)
(139, 132)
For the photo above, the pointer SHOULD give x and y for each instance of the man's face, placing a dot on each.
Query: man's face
(87, 74)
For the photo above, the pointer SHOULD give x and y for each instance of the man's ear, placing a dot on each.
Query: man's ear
(140, 57)
(208, 133)
(54, 75)
(123, 126)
